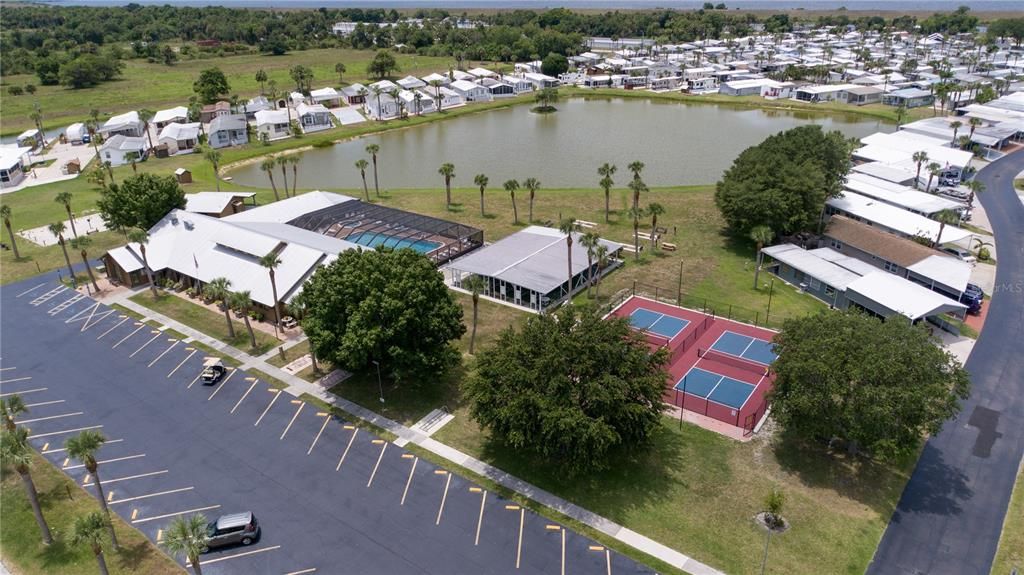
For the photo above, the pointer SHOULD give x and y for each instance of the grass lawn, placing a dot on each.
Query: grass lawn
(1011, 546)
(267, 379)
(63, 501)
(291, 354)
(156, 86)
(206, 321)
(697, 492)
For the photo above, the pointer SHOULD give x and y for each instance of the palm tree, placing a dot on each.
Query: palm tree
(361, 165)
(475, 285)
(212, 155)
(220, 288)
(531, 184)
(88, 530)
(83, 447)
(955, 124)
(64, 199)
(187, 536)
(147, 115)
(511, 186)
(601, 255)
(12, 407)
(242, 301)
(283, 162)
(16, 453)
(945, 218)
(761, 235)
(81, 244)
(919, 158)
(636, 214)
(591, 241)
(654, 210)
(567, 227)
(636, 167)
(293, 161)
(372, 149)
(436, 85)
(261, 77)
(393, 93)
(267, 167)
(974, 123)
(606, 171)
(141, 237)
(57, 229)
(481, 182)
(448, 171)
(934, 169)
(271, 261)
(417, 97)
(377, 91)
(5, 213)
(340, 70)
(976, 187)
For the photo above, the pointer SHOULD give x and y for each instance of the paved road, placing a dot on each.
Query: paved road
(951, 512)
(331, 498)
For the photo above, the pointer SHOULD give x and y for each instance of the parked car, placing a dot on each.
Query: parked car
(960, 253)
(975, 291)
(973, 305)
(213, 370)
(234, 529)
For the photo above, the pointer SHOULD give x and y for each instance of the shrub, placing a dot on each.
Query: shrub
(15, 90)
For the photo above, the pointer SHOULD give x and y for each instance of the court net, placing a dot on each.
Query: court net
(734, 361)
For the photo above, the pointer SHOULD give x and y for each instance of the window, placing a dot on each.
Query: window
(892, 268)
(829, 290)
(815, 284)
(836, 244)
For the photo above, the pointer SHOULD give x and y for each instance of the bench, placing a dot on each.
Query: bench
(668, 247)
(585, 224)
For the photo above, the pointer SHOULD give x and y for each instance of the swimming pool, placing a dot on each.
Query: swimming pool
(374, 240)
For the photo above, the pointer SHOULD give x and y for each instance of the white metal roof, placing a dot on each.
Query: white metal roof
(901, 146)
(120, 121)
(464, 86)
(533, 258)
(264, 117)
(212, 202)
(893, 218)
(885, 172)
(844, 261)
(899, 195)
(291, 208)
(812, 265)
(124, 143)
(177, 132)
(901, 296)
(11, 155)
(327, 93)
(948, 271)
(170, 114)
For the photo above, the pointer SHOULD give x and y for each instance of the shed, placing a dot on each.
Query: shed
(183, 175)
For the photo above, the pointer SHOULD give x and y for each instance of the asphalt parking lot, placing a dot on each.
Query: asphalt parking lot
(330, 497)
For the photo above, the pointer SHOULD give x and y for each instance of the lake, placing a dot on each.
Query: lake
(679, 143)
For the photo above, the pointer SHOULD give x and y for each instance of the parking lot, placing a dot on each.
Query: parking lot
(330, 497)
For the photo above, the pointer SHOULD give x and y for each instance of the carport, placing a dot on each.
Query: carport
(885, 295)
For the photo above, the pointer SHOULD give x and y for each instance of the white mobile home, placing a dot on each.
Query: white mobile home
(120, 149)
(470, 91)
(272, 124)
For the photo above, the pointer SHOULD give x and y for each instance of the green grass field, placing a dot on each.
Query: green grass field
(155, 86)
(63, 501)
(1011, 546)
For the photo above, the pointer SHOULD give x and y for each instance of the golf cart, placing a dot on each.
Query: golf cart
(213, 370)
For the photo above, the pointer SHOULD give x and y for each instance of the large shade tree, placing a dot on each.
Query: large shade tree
(569, 389)
(783, 182)
(386, 306)
(140, 201)
(880, 386)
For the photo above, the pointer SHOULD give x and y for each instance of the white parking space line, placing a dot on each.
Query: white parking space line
(114, 460)
(156, 334)
(301, 571)
(15, 380)
(383, 447)
(60, 449)
(188, 357)
(175, 342)
(235, 556)
(50, 294)
(117, 325)
(269, 405)
(47, 418)
(412, 470)
(355, 430)
(244, 395)
(327, 419)
(81, 314)
(223, 382)
(42, 403)
(125, 338)
(444, 497)
(294, 417)
(52, 433)
(150, 495)
(200, 374)
(30, 290)
(27, 391)
(6, 368)
(130, 477)
(165, 516)
(65, 304)
(89, 322)
(480, 519)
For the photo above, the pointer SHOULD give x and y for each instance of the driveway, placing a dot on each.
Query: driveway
(331, 497)
(950, 515)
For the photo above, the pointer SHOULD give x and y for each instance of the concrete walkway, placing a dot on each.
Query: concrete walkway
(298, 386)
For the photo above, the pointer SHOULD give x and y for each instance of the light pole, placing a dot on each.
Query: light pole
(771, 289)
(380, 385)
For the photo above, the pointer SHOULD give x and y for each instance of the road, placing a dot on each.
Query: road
(950, 515)
(331, 497)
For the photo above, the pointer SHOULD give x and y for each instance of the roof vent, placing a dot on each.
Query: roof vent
(174, 220)
(189, 225)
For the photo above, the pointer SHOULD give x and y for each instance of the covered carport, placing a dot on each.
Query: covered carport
(885, 295)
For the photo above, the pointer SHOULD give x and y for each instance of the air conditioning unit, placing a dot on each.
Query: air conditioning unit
(803, 287)
(189, 225)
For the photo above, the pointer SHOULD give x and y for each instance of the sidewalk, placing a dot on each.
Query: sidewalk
(298, 386)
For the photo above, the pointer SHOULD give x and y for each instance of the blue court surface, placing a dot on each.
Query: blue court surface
(746, 347)
(374, 239)
(715, 387)
(657, 323)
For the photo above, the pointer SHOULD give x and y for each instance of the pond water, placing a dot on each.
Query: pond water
(679, 144)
